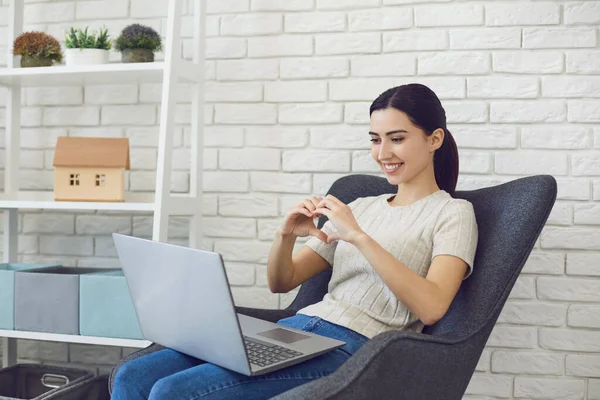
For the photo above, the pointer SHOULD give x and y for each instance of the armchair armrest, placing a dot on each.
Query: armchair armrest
(272, 315)
(399, 365)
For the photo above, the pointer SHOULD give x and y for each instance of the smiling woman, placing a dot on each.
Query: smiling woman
(397, 261)
(397, 265)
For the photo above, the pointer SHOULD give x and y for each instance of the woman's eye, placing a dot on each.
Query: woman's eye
(395, 140)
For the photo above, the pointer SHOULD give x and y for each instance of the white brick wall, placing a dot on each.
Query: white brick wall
(288, 88)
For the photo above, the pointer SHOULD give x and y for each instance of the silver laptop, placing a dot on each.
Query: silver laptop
(183, 301)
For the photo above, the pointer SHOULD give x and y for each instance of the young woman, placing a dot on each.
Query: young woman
(397, 261)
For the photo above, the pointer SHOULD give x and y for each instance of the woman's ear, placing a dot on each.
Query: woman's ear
(437, 139)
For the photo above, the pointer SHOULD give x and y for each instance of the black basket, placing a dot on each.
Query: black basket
(95, 388)
(36, 382)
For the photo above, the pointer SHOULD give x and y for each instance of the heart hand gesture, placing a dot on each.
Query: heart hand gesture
(300, 220)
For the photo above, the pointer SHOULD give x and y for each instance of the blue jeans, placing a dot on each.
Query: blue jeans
(169, 374)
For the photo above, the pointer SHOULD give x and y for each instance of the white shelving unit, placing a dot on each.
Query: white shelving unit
(161, 203)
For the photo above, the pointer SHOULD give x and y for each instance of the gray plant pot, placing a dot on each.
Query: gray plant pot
(34, 61)
(137, 55)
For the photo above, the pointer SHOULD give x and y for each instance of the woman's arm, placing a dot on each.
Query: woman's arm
(428, 298)
(285, 271)
(280, 267)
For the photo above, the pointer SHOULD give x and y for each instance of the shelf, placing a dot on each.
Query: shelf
(172, 70)
(180, 204)
(58, 337)
(113, 73)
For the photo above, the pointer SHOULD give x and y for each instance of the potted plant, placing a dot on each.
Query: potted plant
(137, 43)
(86, 49)
(37, 49)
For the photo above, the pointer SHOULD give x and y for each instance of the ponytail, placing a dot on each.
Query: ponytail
(445, 164)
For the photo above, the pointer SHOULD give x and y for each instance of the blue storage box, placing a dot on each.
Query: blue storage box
(47, 299)
(7, 291)
(106, 308)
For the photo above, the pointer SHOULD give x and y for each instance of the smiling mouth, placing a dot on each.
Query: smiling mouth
(391, 168)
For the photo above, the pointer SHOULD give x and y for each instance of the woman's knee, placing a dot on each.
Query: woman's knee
(135, 372)
(163, 389)
(126, 373)
(128, 380)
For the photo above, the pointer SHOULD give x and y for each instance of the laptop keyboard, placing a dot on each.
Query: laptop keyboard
(264, 354)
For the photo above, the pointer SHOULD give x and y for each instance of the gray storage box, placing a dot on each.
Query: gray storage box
(47, 299)
(7, 291)
(36, 382)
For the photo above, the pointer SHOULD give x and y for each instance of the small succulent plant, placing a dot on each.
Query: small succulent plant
(138, 36)
(37, 44)
(80, 39)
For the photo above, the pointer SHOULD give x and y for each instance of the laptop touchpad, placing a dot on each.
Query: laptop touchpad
(283, 335)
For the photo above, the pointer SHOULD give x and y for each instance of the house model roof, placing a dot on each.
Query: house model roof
(91, 152)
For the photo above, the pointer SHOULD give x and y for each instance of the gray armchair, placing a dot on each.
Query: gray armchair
(439, 362)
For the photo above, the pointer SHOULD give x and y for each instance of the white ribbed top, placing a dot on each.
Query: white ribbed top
(357, 297)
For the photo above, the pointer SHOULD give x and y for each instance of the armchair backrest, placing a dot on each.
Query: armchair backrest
(510, 218)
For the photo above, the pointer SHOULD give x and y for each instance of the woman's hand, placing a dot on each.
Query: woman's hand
(299, 221)
(341, 217)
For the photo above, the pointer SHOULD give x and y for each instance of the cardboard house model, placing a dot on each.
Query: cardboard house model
(90, 169)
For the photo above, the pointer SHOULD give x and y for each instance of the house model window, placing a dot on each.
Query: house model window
(90, 169)
(100, 180)
(74, 180)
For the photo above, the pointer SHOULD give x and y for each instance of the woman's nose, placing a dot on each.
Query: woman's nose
(384, 151)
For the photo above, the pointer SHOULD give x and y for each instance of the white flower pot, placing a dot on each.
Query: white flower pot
(76, 57)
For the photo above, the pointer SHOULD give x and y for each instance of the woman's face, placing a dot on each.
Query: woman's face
(401, 149)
